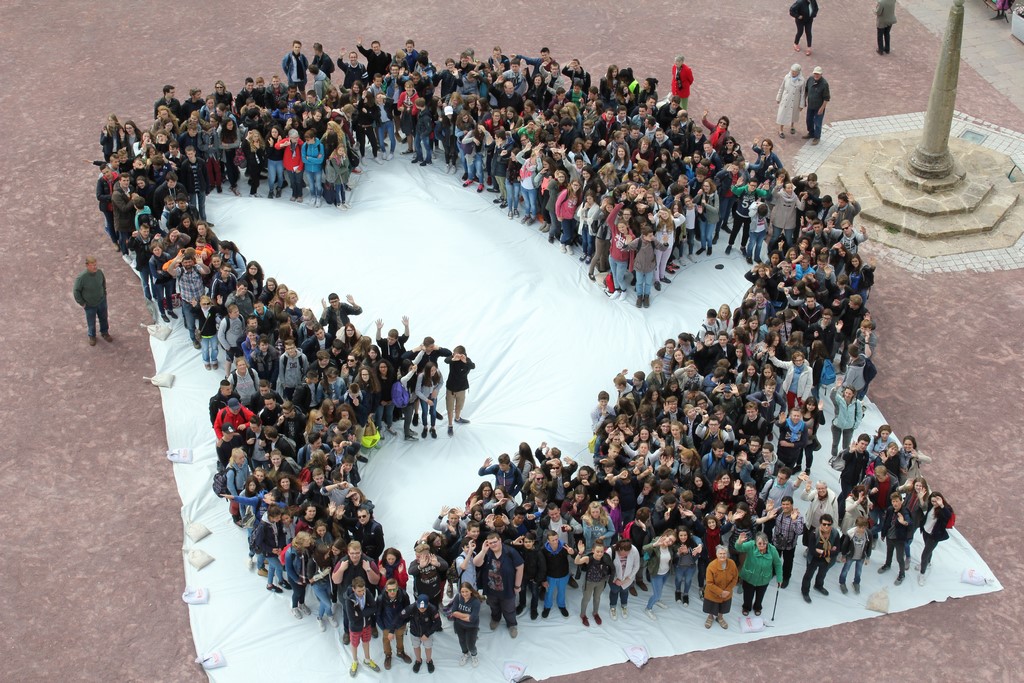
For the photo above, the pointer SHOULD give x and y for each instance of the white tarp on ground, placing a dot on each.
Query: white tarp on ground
(544, 341)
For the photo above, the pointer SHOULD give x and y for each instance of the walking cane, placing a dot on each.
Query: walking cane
(776, 603)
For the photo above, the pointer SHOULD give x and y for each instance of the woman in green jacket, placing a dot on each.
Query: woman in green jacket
(762, 560)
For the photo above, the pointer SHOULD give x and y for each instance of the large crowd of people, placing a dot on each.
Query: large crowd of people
(701, 463)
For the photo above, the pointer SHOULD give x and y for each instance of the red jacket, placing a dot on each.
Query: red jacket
(682, 79)
(237, 421)
(398, 573)
(292, 158)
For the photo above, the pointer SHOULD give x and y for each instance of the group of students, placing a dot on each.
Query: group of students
(696, 462)
(598, 162)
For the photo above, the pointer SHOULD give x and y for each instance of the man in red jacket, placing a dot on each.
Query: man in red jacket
(229, 426)
(682, 79)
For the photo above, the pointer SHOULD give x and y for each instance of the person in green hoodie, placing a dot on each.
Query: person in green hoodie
(762, 560)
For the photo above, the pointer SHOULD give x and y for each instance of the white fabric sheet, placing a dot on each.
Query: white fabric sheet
(545, 340)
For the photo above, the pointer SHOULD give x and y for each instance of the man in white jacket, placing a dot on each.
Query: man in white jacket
(823, 501)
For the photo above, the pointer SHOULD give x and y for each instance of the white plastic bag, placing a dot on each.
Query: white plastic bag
(879, 601)
(212, 660)
(199, 558)
(751, 624)
(514, 671)
(161, 379)
(161, 332)
(180, 455)
(197, 531)
(974, 577)
(196, 596)
(637, 654)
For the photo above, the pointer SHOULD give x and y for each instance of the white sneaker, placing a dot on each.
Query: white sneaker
(305, 610)
(625, 612)
(346, 206)
(568, 250)
(334, 622)
(296, 612)
(463, 659)
(251, 563)
(920, 579)
(649, 613)
(378, 159)
(613, 615)
(322, 624)
(661, 604)
(563, 248)
(616, 295)
(475, 661)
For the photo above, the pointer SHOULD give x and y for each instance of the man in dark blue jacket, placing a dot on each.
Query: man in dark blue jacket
(294, 66)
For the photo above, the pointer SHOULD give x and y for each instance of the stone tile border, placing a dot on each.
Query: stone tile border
(1009, 142)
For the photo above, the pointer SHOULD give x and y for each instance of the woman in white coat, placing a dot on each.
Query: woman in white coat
(789, 100)
(799, 381)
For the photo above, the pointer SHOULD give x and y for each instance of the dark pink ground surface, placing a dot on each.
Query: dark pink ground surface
(93, 568)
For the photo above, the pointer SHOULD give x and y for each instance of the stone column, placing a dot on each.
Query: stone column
(931, 157)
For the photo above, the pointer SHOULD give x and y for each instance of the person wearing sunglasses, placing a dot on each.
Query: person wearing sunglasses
(822, 553)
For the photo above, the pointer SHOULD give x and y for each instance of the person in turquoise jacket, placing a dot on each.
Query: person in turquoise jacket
(760, 562)
(313, 158)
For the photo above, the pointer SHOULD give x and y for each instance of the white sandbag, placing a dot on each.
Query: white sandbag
(751, 624)
(180, 455)
(974, 577)
(197, 531)
(161, 379)
(879, 601)
(198, 558)
(212, 660)
(161, 332)
(513, 671)
(637, 654)
(196, 596)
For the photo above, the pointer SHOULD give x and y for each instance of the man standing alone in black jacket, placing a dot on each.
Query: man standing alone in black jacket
(456, 386)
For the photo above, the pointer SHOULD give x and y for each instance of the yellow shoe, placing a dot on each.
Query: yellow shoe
(353, 669)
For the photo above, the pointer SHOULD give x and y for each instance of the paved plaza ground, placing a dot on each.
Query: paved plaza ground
(92, 540)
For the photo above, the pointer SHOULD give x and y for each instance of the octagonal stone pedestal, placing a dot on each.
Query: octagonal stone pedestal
(974, 208)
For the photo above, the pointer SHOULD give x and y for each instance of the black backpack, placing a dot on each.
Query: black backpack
(220, 483)
(794, 9)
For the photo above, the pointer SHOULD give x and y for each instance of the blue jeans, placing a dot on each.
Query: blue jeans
(515, 191)
(295, 182)
(188, 314)
(384, 415)
(162, 292)
(568, 230)
(620, 271)
(197, 200)
(210, 349)
(147, 281)
(858, 564)
(314, 181)
(754, 245)
(707, 233)
(475, 168)
(275, 174)
(725, 210)
(274, 568)
(429, 411)
(386, 131)
(618, 594)
(657, 584)
(322, 591)
(684, 577)
(94, 312)
(644, 282)
(556, 586)
(108, 224)
(530, 199)
(423, 148)
(588, 241)
(814, 121)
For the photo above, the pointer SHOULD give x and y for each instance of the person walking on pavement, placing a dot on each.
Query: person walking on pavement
(885, 14)
(815, 98)
(90, 293)
(803, 12)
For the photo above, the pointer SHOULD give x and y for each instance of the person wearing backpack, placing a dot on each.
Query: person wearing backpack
(268, 540)
(938, 520)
